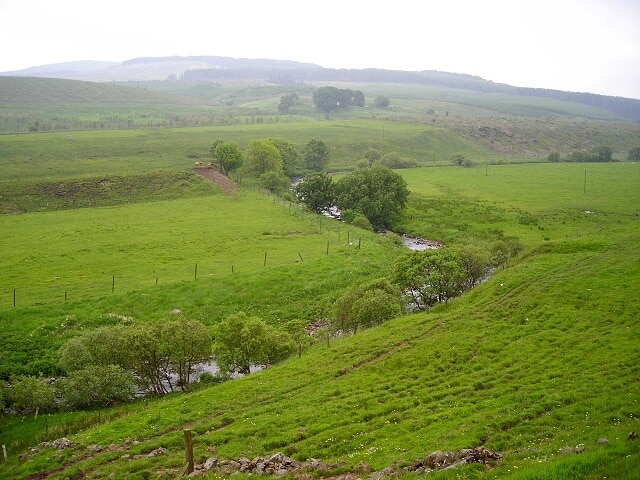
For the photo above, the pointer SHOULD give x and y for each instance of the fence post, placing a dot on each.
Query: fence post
(14, 297)
(113, 284)
(188, 444)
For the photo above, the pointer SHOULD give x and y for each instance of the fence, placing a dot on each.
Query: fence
(332, 237)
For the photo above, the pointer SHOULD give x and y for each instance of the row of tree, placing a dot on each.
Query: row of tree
(601, 153)
(329, 99)
(272, 161)
(420, 280)
(110, 365)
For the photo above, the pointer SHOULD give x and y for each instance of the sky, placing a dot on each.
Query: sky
(572, 45)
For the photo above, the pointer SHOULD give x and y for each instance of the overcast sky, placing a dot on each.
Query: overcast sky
(575, 45)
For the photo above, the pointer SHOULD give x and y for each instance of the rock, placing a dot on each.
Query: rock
(156, 452)
(580, 448)
(603, 441)
(210, 463)
(632, 435)
(62, 443)
(94, 448)
(176, 311)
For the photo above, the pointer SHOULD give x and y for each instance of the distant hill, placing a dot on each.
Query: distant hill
(287, 72)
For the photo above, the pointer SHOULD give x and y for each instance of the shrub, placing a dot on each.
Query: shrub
(394, 161)
(362, 222)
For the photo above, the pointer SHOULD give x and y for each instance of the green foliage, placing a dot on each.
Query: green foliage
(316, 155)
(362, 222)
(381, 101)
(377, 193)
(329, 99)
(185, 345)
(275, 182)
(367, 305)
(554, 157)
(261, 157)
(241, 341)
(30, 394)
(317, 192)
(372, 156)
(430, 277)
(97, 386)
(634, 154)
(287, 101)
(228, 155)
(393, 160)
(290, 156)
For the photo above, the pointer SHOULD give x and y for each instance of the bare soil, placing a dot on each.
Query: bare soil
(225, 182)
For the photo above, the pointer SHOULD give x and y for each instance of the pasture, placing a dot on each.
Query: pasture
(538, 359)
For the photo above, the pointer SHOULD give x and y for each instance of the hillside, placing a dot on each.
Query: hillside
(285, 72)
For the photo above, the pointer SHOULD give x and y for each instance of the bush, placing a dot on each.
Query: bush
(394, 161)
(362, 222)
(97, 386)
(30, 394)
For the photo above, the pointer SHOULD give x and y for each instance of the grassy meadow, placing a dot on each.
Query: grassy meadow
(100, 227)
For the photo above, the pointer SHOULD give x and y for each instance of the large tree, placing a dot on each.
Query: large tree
(261, 157)
(378, 193)
(317, 192)
(290, 156)
(316, 155)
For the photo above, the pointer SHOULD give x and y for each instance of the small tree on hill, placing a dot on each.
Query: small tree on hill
(228, 156)
(634, 154)
(262, 157)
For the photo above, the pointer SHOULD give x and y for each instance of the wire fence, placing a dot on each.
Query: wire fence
(332, 237)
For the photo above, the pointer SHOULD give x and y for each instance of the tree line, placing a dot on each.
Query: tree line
(600, 153)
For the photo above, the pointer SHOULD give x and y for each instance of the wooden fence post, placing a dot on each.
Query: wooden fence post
(188, 444)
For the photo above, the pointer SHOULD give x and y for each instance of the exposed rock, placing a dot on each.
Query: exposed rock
(176, 311)
(603, 441)
(156, 452)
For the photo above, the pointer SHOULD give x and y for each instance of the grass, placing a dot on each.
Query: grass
(541, 357)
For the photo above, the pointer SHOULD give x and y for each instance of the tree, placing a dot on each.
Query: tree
(602, 153)
(393, 160)
(554, 157)
(378, 193)
(381, 102)
(97, 386)
(101, 346)
(430, 276)
(228, 156)
(317, 192)
(634, 154)
(239, 343)
(290, 156)
(275, 182)
(287, 101)
(328, 99)
(372, 155)
(367, 305)
(476, 264)
(186, 345)
(261, 157)
(316, 155)
(30, 394)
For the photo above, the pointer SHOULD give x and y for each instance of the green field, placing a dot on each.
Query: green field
(105, 226)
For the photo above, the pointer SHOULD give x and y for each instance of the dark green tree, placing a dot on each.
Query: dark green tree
(602, 153)
(317, 192)
(186, 344)
(367, 305)
(275, 182)
(290, 156)
(373, 155)
(554, 157)
(316, 155)
(287, 101)
(97, 386)
(378, 193)
(381, 102)
(240, 341)
(634, 154)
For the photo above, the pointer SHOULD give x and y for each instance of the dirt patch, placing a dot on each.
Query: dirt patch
(228, 185)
